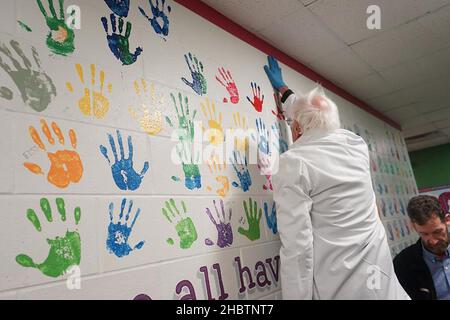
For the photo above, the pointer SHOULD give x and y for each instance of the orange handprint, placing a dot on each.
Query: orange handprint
(65, 165)
(219, 170)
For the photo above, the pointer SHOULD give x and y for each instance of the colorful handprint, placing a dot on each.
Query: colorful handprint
(119, 7)
(123, 172)
(150, 115)
(35, 86)
(240, 133)
(271, 218)
(240, 166)
(198, 83)
(119, 232)
(65, 165)
(226, 80)
(219, 171)
(119, 43)
(253, 220)
(184, 225)
(60, 39)
(186, 150)
(223, 226)
(160, 17)
(258, 99)
(65, 250)
(215, 129)
(93, 102)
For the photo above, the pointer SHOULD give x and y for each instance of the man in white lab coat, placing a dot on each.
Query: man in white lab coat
(333, 243)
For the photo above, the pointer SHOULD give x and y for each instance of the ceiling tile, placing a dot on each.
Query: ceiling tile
(302, 36)
(342, 66)
(417, 130)
(404, 43)
(255, 14)
(446, 131)
(348, 18)
(369, 87)
(402, 113)
(442, 124)
(438, 23)
(428, 143)
(391, 100)
(413, 122)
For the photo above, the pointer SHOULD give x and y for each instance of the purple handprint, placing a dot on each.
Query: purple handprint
(224, 230)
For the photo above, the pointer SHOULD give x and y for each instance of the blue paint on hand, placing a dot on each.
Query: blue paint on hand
(119, 7)
(119, 43)
(125, 177)
(119, 233)
(159, 20)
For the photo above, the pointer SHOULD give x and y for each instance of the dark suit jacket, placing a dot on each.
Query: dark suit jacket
(413, 273)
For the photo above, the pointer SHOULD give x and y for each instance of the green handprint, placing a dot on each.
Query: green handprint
(185, 118)
(60, 39)
(65, 251)
(188, 154)
(253, 218)
(185, 227)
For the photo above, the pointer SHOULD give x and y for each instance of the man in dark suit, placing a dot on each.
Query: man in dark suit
(423, 269)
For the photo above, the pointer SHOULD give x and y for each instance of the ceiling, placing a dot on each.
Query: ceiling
(402, 70)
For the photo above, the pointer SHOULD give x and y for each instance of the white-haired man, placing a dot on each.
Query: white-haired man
(333, 244)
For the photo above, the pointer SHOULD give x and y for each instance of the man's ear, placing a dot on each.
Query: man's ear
(447, 220)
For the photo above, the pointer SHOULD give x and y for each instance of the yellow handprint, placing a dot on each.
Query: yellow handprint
(93, 102)
(240, 134)
(149, 121)
(215, 131)
(219, 170)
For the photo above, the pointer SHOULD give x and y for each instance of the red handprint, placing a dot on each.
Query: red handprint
(258, 100)
(229, 84)
(279, 111)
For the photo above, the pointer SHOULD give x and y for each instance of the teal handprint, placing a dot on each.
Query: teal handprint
(253, 219)
(186, 151)
(60, 39)
(65, 251)
(198, 83)
(184, 226)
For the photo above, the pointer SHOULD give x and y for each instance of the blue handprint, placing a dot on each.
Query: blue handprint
(160, 20)
(241, 167)
(379, 189)
(125, 177)
(263, 137)
(118, 233)
(198, 79)
(272, 218)
(280, 141)
(118, 43)
(119, 7)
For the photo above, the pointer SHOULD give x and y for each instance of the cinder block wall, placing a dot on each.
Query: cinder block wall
(87, 117)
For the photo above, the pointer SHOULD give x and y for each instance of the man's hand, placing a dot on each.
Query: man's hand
(273, 72)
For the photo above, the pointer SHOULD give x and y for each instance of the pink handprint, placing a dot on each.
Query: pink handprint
(227, 81)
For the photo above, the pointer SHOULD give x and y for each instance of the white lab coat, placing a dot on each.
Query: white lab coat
(333, 243)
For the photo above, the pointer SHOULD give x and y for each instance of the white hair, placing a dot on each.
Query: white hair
(315, 110)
